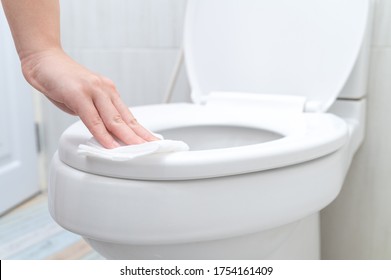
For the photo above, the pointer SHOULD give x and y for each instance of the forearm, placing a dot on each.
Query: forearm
(35, 25)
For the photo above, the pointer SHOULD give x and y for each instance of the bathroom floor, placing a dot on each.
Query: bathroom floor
(29, 233)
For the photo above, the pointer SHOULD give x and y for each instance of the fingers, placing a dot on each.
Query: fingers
(107, 118)
(131, 121)
(114, 122)
(91, 118)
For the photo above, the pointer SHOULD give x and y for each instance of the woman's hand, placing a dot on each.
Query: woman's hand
(92, 97)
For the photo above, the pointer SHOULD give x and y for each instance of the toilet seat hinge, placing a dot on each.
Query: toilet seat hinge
(259, 101)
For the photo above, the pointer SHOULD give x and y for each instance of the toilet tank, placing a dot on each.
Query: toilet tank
(318, 49)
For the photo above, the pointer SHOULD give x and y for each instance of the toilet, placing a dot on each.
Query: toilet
(278, 112)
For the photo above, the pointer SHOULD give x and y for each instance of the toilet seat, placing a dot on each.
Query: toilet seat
(305, 136)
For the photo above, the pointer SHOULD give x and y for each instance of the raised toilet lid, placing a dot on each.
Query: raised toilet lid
(303, 47)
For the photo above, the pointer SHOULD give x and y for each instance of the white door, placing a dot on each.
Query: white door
(18, 152)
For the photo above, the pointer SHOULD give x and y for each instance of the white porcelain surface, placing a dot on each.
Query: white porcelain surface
(297, 240)
(162, 212)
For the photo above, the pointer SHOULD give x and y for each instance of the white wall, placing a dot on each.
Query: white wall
(358, 224)
(135, 43)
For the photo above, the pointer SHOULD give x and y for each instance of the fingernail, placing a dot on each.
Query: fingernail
(115, 144)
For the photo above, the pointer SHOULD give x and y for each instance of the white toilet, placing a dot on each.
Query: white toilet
(270, 143)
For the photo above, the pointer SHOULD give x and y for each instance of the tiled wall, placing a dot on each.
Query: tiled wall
(135, 43)
(358, 224)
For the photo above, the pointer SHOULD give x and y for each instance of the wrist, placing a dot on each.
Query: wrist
(36, 64)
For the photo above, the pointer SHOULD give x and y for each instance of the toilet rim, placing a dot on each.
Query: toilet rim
(306, 136)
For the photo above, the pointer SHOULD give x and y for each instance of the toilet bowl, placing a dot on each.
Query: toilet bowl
(270, 143)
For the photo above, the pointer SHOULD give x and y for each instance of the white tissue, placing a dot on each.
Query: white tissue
(128, 152)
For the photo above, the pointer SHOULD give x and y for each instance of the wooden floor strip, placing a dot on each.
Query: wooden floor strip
(27, 240)
(28, 232)
(74, 252)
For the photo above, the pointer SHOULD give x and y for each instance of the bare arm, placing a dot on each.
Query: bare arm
(35, 27)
